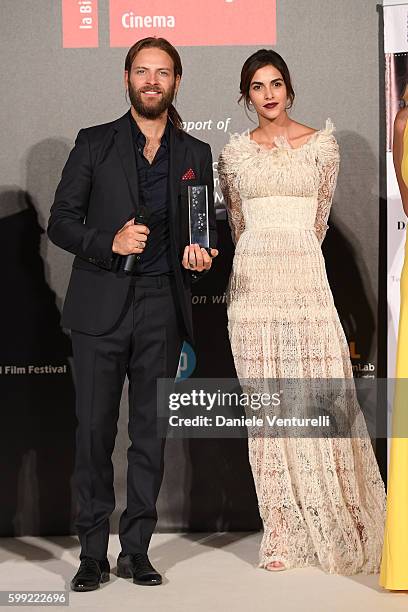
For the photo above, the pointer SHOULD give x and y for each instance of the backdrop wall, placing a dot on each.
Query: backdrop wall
(49, 93)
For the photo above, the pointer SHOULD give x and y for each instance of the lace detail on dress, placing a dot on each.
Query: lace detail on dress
(328, 160)
(232, 199)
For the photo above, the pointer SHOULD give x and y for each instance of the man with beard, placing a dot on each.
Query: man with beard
(121, 208)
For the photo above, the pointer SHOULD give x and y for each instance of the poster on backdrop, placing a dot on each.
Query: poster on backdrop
(213, 23)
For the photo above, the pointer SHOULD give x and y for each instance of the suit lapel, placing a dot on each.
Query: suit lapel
(178, 151)
(126, 152)
(177, 156)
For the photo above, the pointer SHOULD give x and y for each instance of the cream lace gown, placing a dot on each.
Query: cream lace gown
(322, 500)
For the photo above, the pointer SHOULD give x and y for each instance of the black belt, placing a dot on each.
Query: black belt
(161, 280)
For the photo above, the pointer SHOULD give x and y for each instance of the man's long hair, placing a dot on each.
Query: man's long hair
(164, 45)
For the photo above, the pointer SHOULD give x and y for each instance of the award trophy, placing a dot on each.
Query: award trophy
(198, 215)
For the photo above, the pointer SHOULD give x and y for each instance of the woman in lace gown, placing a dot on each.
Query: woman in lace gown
(321, 500)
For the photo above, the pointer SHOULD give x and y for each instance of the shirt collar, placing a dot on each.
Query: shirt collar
(140, 138)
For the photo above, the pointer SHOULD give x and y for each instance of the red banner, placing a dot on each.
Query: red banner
(188, 23)
(79, 23)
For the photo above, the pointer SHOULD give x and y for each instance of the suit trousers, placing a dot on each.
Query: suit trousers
(144, 345)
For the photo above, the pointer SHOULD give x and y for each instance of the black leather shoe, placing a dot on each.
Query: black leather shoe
(90, 574)
(139, 568)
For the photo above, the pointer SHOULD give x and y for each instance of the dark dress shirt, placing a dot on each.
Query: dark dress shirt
(153, 191)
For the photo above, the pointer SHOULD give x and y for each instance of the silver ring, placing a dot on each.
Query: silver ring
(191, 266)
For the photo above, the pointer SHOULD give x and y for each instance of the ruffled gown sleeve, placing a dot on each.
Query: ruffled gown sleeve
(231, 195)
(328, 159)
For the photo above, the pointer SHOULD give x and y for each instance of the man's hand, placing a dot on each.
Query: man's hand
(130, 239)
(197, 259)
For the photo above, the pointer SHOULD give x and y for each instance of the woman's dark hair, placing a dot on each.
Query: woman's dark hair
(164, 45)
(405, 94)
(259, 59)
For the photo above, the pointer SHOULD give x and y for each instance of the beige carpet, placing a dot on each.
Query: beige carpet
(203, 572)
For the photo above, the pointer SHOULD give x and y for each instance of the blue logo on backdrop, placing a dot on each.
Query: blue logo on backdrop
(187, 362)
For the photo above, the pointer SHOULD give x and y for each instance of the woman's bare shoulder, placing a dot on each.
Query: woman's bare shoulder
(300, 132)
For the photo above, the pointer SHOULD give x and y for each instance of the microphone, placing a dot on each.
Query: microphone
(141, 218)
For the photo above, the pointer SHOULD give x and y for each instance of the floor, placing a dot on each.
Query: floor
(202, 572)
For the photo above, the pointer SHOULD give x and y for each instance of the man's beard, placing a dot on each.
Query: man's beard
(150, 111)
